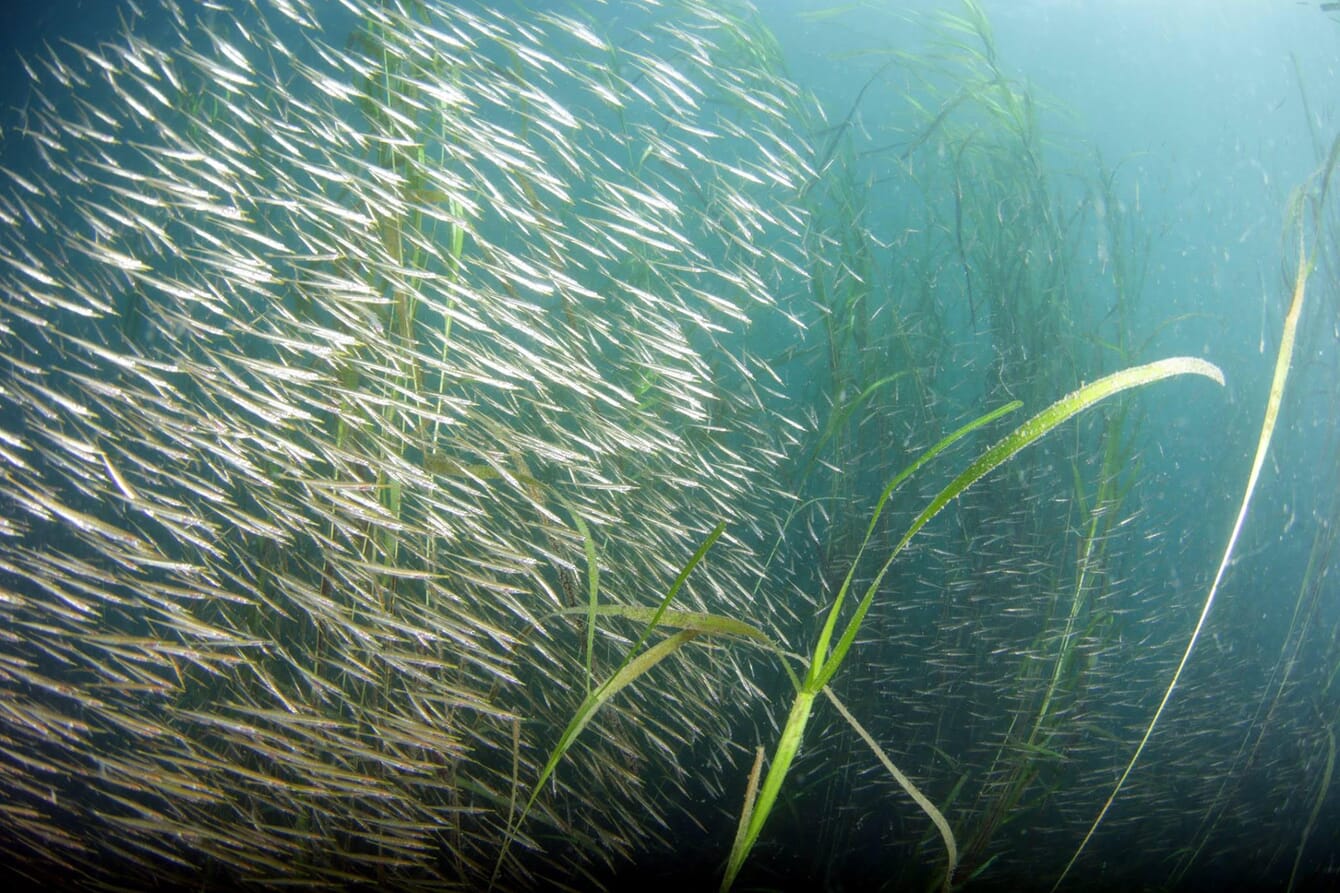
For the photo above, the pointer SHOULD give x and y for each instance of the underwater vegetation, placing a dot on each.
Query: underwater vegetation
(320, 356)
(448, 446)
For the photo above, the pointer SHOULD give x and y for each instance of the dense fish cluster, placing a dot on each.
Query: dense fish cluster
(335, 337)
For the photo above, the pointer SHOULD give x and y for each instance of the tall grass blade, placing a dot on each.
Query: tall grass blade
(701, 621)
(1316, 806)
(821, 647)
(822, 669)
(936, 817)
(1281, 377)
(752, 821)
(750, 795)
(1007, 447)
(634, 664)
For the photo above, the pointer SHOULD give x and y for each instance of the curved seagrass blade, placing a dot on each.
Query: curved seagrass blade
(1006, 448)
(821, 647)
(825, 665)
(937, 818)
(1283, 360)
(635, 663)
(697, 621)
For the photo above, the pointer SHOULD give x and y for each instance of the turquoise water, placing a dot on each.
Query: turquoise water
(373, 371)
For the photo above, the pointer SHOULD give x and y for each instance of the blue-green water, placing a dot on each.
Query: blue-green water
(343, 343)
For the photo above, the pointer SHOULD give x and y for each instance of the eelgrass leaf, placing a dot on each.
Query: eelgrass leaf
(701, 621)
(752, 821)
(937, 818)
(1283, 362)
(676, 586)
(825, 635)
(611, 687)
(634, 664)
(750, 795)
(981, 869)
(1322, 790)
(1007, 447)
(637, 663)
(824, 666)
(626, 675)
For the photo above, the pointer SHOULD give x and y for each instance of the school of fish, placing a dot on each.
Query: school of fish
(334, 337)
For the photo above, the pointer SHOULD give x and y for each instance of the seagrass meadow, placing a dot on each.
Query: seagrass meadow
(661, 443)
